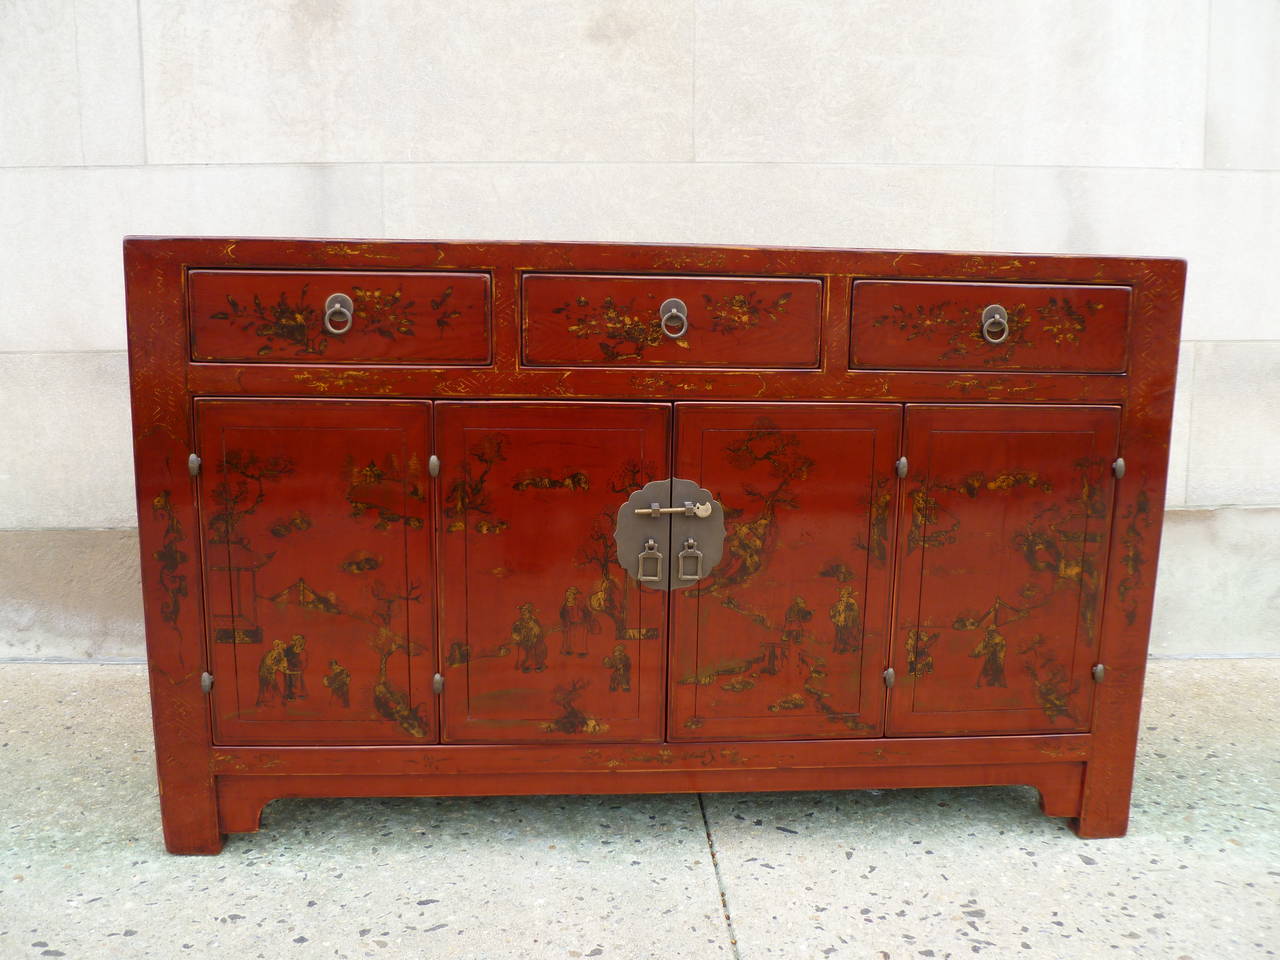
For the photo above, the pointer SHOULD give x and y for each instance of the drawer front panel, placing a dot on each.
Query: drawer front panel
(939, 326)
(574, 319)
(279, 316)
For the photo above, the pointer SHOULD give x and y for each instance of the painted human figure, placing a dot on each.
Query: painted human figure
(530, 640)
(295, 661)
(777, 652)
(576, 623)
(338, 680)
(269, 667)
(919, 660)
(620, 664)
(992, 648)
(847, 621)
(607, 600)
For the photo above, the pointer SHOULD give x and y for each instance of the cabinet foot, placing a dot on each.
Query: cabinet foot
(1094, 826)
(191, 824)
(190, 846)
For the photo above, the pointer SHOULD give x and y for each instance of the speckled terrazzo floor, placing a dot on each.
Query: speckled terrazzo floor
(884, 875)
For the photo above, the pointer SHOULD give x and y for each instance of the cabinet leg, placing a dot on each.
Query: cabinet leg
(1104, 806)
(1102, 822)
(188, 804)
(190, 816)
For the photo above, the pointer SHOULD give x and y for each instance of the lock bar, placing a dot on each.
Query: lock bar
(690, 509)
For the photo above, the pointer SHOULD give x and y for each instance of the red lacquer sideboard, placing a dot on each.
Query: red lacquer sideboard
(427, 519)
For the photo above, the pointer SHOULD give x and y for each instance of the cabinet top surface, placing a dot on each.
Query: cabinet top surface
(233, 249)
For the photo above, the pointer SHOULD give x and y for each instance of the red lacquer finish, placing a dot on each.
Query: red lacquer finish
(614, 321)
(786, 637)
(390, 569)
(1002, 545)
(318, 599)
(939, 326)
(279, 316)
(545, 637)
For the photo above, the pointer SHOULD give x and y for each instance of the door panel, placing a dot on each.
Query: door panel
(318, 576)
(544, 636)
(786, 636)
(1002, 544)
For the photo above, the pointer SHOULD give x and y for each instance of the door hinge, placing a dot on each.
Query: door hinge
(206, 682)
(433, 465)
(437, 684)
(889, 677)
(901, 466)
(193, 464)
(1099, 672)
(1117, 467)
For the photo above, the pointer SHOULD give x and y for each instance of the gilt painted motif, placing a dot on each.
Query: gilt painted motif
(545, 635)
(1007, 600)
(940, 325)
(308, 529)
(718, 321)
(172, 558)
(280, 316)
(776, 633)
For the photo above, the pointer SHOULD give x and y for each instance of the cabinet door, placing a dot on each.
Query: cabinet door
(317, 570)
(544, 637)
(786, 636)
(1002, 545)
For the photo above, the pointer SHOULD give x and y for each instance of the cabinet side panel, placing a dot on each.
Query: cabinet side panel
(167, 527)
(1130, 587)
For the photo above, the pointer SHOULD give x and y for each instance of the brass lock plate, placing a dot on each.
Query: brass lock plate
(670, 534)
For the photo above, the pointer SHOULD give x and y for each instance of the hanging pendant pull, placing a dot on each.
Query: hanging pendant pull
(689, 561)
(650, 569)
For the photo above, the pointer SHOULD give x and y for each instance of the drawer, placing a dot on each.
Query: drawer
(940, 326)
(575, 319)
(280, 316)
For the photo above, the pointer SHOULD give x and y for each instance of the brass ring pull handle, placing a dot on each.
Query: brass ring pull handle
(674, 318)
(995, 324)
(338, 314)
